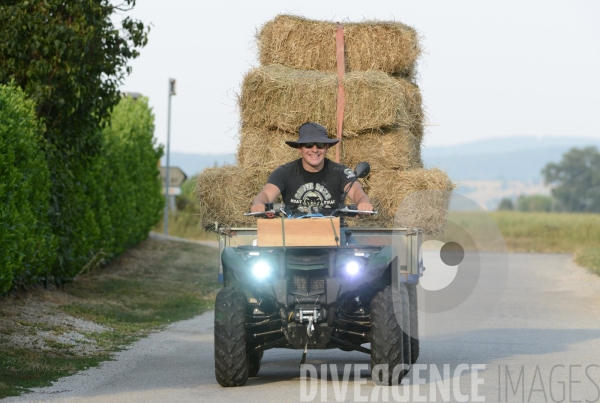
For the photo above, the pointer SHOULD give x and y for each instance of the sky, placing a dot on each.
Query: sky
(490, 69)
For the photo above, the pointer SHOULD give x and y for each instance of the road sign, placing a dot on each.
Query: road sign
(173, 191)
(176, 176)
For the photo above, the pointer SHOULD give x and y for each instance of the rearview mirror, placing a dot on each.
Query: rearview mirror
(362, 169)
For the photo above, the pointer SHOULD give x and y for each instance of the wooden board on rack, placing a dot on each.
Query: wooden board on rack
(298, 232)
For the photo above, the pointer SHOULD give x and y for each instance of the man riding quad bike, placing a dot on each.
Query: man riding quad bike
(357, 287)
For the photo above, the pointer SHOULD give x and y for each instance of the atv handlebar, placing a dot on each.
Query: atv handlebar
(351, 209)
(273, 210)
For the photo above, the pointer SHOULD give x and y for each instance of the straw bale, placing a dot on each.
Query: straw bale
(398, 198)
(392, 149)
(226, 193)
(414, 107)
(265, 148)
(300, 43)
(278, 97)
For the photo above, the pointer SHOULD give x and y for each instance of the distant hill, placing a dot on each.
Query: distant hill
(513, 158)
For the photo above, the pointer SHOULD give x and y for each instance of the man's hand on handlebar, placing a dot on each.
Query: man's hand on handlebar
(364, 207)
(268, 194)
(257, 208)
(260, 210)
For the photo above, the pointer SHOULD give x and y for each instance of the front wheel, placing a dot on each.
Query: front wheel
(231, 360)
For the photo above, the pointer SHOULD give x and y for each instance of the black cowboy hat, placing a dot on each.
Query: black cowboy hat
(311, 132)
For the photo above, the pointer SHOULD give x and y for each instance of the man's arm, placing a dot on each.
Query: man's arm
(359, 197)
(268, 194)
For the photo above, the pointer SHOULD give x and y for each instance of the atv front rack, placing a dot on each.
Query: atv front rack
(405, 241)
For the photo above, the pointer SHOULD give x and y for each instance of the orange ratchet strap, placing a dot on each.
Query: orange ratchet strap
(341, 99)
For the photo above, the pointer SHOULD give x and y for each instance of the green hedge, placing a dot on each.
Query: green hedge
(117, 198)
(27, 246)
(130, 174)
(77, 227)
(114, 199)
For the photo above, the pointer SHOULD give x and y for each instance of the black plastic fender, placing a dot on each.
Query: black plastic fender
(233, 262)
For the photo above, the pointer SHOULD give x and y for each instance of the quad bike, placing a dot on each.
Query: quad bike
(360, 289)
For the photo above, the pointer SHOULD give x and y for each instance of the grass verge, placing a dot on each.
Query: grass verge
(24, 368)
(47, 334)
(575, 233)
(548, 232)
(185, 224)
(589, 258)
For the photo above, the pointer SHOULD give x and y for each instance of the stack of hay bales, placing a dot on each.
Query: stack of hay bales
(297, 82)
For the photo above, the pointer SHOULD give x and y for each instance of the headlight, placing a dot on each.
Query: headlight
(352, 265)
(261, 269)
(352, 268)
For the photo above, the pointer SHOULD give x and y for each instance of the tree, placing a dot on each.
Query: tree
(70, 59)
(535, 203)
(576, 179)
(506, 204)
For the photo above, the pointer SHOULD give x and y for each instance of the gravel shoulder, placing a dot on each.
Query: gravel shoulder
(35, 321)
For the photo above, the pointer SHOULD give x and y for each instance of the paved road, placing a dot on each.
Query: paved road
(540, 344)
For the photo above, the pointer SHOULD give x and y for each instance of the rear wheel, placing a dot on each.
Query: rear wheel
(414, 322)
(388, 309)
(231, 360)
(406, 323)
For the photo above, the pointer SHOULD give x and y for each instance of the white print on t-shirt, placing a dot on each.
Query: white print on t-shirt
(311, 197)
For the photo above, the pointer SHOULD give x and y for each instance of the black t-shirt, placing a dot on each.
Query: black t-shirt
(306, 192)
